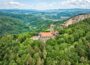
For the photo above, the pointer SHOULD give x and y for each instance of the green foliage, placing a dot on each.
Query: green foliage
(21, 50)
(19, 23)
(70, 47)
(12, 25)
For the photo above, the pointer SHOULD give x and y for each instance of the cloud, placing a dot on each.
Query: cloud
(80, 3)
(65, 4)
(13, 4)
(58, 4)
(88, 1)
(73, 4)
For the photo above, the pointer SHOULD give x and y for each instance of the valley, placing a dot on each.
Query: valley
(34, 20)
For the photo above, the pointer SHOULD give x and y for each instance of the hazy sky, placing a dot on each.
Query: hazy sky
(44, 4)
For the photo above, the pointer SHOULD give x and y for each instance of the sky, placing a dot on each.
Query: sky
(44, 4)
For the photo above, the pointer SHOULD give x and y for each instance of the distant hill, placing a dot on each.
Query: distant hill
(49, 14)
(76, 19)
(12, 25)
(16, 23)
(25, 22)
(34, 20)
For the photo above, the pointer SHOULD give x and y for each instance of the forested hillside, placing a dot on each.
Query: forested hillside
(12, 25)
(19, 23)
(70, 47)
(34, 20)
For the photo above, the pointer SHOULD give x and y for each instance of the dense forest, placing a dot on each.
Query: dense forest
(70, 47)
(12, 25)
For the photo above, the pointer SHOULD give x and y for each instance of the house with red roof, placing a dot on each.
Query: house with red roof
(44, 36)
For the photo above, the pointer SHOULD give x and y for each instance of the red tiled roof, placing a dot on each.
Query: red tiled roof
(46, 34)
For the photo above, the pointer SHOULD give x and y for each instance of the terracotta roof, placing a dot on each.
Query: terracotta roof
(46, 34)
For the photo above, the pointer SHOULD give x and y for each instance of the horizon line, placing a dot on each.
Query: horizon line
(40, 9)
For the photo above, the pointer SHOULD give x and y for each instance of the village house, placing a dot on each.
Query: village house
(44, 36)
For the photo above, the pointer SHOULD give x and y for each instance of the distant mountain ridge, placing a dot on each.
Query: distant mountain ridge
(76, 19)
(33, 20)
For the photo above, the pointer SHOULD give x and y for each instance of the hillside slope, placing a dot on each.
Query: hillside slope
(70, 47)
(76, 19)
(12, 25)
(27, 22)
